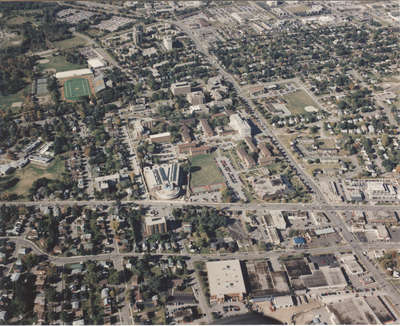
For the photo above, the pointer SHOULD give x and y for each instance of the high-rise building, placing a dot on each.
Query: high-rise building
(168, 43)
(138, 34)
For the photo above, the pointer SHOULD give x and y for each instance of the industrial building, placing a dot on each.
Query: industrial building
(226, 281)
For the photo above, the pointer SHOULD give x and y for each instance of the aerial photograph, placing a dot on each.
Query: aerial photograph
(200, 162)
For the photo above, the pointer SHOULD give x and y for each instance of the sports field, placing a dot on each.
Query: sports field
(204, 171)
(75, 88)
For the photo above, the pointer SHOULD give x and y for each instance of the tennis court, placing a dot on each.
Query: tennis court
(76, 88)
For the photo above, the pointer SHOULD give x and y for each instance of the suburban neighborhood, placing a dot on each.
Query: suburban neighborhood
(199, 162)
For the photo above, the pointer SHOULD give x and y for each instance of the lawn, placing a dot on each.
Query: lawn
(204, 171)
(60, 64)
(70, 43)
(6, 101)
(75, 88)
(31, 173)
(297, 101)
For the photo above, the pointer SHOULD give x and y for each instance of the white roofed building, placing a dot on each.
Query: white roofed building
(96, 63)
(73, 73)
(240, 125)
(226, 281)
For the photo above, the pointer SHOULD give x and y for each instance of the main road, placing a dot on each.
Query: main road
(243, 255)
(325, 207)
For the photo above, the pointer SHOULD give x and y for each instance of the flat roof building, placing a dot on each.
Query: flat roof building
(164, 180)
(246, 158)
(208, 132)
(240, 125)
(164, 137)
(181, 88)
(226, 281)
(73, 73)
(96, 63)
(155, 225)
(195, 98)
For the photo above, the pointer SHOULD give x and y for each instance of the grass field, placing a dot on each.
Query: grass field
(297, 101)
(205, 171)
(70, 43)
(6, 101)
(59, 64)
(76, 88)
(29, 174)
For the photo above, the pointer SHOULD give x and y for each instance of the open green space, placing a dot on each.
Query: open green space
(30, 173)
(59, 63)
(297, 101)
(204, 171)
(70, 43)
(7, 101)
(75, 88)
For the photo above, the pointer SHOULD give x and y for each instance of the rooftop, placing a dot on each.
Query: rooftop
(225, 278)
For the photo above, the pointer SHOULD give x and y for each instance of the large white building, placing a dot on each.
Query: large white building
(164, 180)
(226, 281)
(73, 73)
(240, 125)
(278, 220)
(381, 191)
(96, 63)
(181, 88)
(168, 43)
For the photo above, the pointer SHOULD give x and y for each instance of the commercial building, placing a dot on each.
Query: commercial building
(352, 265)
(381, 191)
(278, 220)
(155, 225)
(240, 125)
(164, 180)
(283, 301)
(382, 232)
(181, 88)
(226, 281)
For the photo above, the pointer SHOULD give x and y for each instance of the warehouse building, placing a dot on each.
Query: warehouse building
(226, 281)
